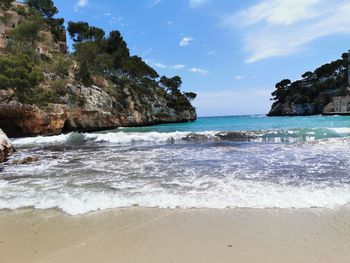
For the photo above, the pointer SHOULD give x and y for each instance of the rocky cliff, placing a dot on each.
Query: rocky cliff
(6, 147)
(82, 108)
(316, 93)
(99, 85)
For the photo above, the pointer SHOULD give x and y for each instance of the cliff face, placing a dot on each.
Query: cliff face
(293, 109)
(81, 108)
(5, 147)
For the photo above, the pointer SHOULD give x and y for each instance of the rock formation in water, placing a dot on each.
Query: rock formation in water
(6, 147)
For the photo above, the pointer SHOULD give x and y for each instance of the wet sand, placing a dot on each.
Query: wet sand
(162, 235)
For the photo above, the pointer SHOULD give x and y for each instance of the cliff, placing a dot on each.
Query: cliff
(318, 92)
(98, 86)
(87, 108)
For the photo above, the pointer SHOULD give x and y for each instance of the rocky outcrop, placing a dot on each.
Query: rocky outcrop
(83, 108)
(293, 109)
(6, 147)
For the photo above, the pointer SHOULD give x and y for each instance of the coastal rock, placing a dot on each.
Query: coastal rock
(84, 108)
(6, 147)
(18, 119)
(293, 109)
(27, 160)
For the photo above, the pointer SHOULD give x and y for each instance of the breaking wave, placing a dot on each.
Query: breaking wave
(185, 166)
(121, 137)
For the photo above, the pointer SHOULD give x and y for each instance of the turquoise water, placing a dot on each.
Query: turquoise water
(250, 123)
(218, 162)
(317, 127)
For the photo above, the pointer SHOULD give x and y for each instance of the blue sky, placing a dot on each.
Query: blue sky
(231, 53)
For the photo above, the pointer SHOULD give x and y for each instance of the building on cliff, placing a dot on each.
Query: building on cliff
(10, 19)
(341, 104)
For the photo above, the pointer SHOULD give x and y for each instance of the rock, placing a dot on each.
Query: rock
(195, 137)
(293, 109)
(84, 108)
(18, 120)
(236, 136)
(30, 159)
(6, 147)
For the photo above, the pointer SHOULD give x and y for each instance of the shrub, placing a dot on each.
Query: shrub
(18, 72)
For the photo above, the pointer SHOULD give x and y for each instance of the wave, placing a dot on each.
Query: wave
(121, 137)
(235, 194)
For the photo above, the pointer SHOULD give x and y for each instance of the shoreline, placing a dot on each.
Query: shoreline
(176, 235)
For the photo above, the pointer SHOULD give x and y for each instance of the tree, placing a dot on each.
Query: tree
(81, 31)
(18, 72)
(78, 30)
(86, 54)
(28, 30)
(345, 56)
(172, 84)
(190, 95)
(137, 68)
(307, 74)
(6, 4)
(283, 83)
(117, 48)
(56, 27)
(46, 8)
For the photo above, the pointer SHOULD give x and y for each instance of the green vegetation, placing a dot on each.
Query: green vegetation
(5, 4)
(316, 87)
(98, 59)
(18, 72)
(46, 8)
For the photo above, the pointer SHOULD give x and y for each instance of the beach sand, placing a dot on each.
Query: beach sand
(163, 235)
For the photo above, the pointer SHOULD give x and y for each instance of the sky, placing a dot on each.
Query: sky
(230, 52)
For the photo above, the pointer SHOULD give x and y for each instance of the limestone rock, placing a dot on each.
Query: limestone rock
(6, 147)
(84, 108)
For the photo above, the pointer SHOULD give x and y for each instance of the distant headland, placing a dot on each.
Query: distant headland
(325, 90)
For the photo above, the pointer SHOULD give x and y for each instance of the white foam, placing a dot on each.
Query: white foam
(344, 130)
(128, 137)
(234, 194)
(112, 137)
(41, 140)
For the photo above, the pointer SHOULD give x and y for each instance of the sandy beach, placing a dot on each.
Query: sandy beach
(162, 235)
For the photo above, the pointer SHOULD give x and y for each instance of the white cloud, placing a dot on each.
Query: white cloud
(82, 3)
(163, 66)
(155, 3)
(283, 27)
(185, 41)
(196, 3)
(212, 52)
(279, 12)
(198, 70)
(179, 66)
(107, 14)
(117, 20)
(159, 65)
(238, 77)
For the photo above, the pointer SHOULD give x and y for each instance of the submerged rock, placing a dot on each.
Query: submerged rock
(236, 136)
(6, 147)
(29, 159)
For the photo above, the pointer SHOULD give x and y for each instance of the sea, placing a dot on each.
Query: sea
(215, 162)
